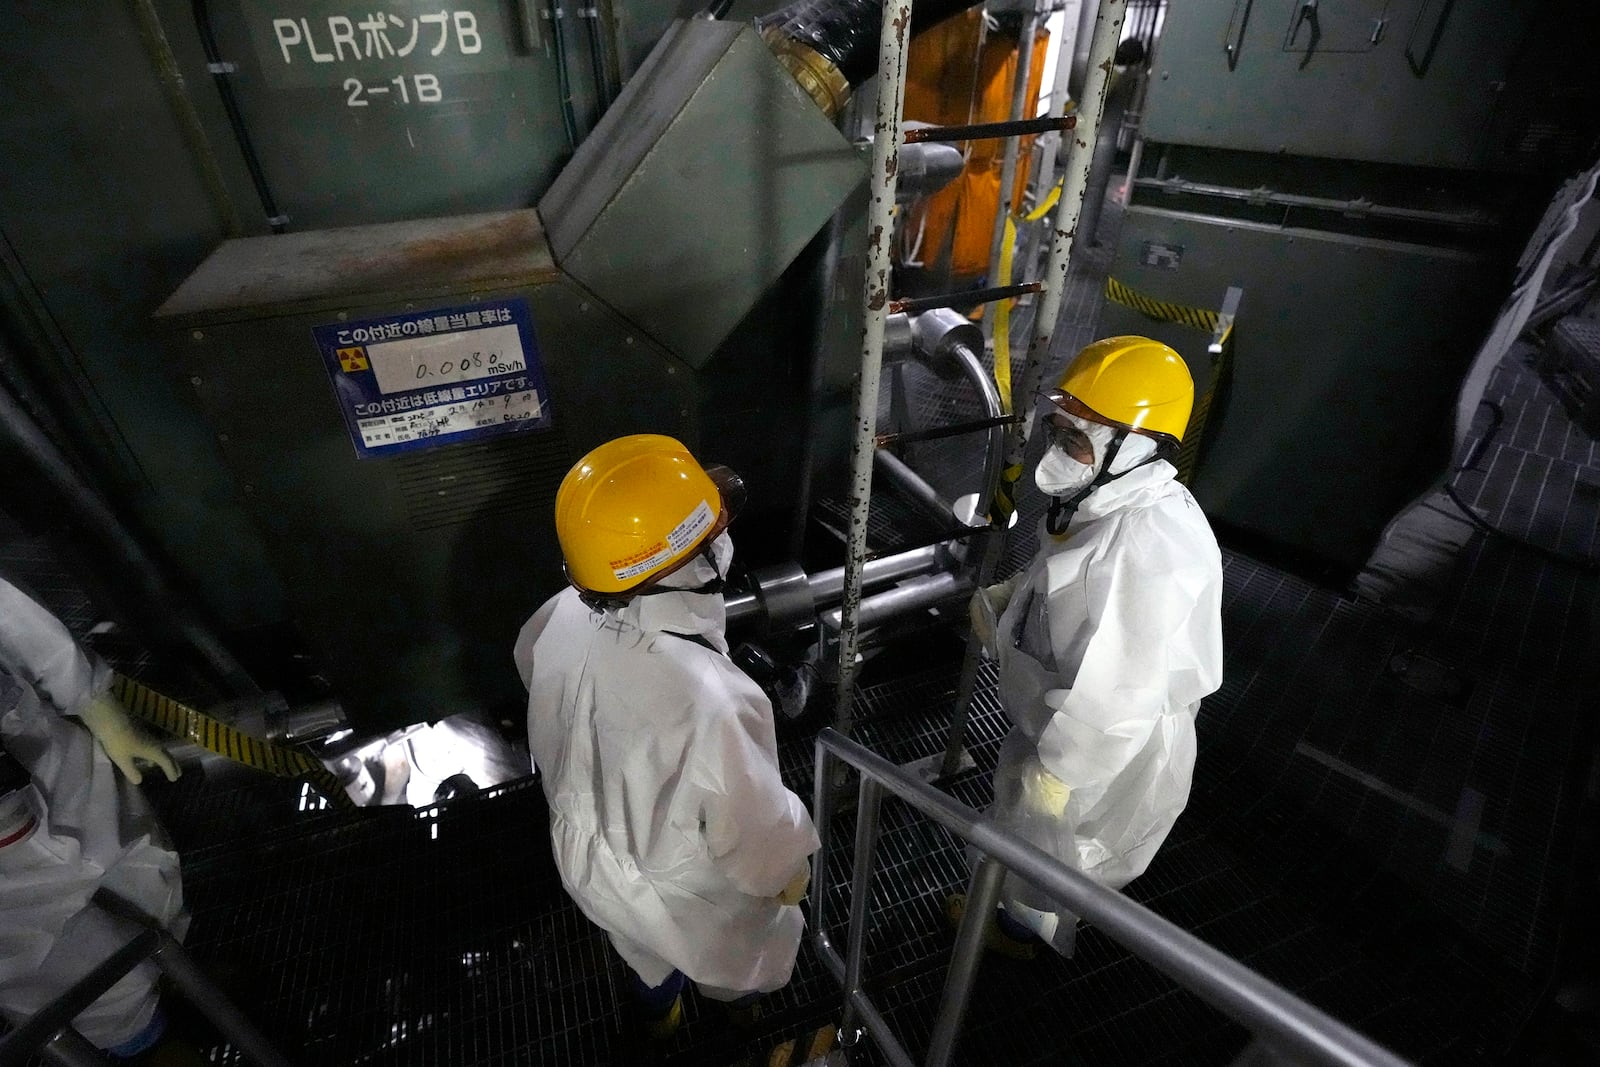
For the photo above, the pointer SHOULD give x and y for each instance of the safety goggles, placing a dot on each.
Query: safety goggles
(1059, 428)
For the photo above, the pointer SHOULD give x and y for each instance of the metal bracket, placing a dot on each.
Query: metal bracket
(1233, 38)
(1225, 316)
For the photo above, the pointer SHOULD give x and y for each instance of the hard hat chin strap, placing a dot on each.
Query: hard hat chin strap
(1062, 509)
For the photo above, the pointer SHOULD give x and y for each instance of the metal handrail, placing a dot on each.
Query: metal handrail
(50, 1034)
(1276, 1016)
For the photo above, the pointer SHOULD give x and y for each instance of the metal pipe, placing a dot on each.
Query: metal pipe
(558, 36)
(43, 1026)
(1060, 96)
(828, 586)
(1220, 980)
(926, 498)
(825, 587)
(221, 71)
(1102, 48)
(971, 662)
(1358, 208)
(869, 798)
(822, 808)
(872, 1019)
(170, 74)
(1008, 164)
(231, 1022)
(179, 967)
(71, 1049)
(1082, 37)
(19, 434)
(597, 62)
(892, 41)
(994, 454)
(917, 594)
(983, 894)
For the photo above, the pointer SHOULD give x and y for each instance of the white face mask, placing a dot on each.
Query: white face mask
(699, 571)
(1058, 474)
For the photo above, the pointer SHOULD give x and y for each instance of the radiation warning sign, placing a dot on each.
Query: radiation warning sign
(425, 378)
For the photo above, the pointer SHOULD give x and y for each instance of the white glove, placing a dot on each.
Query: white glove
(986, 607)
(122, 742)
(795, 891)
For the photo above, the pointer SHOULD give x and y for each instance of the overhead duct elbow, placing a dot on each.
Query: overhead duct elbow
(831, 46)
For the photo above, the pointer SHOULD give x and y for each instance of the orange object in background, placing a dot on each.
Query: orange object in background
(949, 83)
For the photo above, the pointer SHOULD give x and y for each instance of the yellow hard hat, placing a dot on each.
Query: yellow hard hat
(1132, 382)
(636, 509)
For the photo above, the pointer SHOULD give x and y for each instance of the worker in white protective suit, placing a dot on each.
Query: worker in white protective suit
(670, 824)
(70, 823)
(1108, 640)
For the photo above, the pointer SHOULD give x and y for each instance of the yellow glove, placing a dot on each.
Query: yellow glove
(1045, 793)
(795, 891)
(122, 742)
(986, 607)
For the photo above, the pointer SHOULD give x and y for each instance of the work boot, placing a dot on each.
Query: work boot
(744, 1013)
(660, 1007)
(665, 1026)
(995, 938)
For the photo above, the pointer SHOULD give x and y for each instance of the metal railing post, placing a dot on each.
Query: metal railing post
(894, 36)
(1008, 163)
(868, 802)
(71, 1049)
(1278, 1018)
(983, 894)
(822, 808)
(1075, 179)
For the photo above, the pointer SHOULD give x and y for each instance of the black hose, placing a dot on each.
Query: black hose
(1587, 566)
(845, 32)
(208, 40)
(569, 119)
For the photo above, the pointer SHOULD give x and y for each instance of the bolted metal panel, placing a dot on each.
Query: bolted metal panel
(409, 574)
(1341, 392)
(1414, 82)
(405, 109)
(705, 179)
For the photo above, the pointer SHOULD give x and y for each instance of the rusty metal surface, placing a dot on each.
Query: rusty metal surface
(320, 268)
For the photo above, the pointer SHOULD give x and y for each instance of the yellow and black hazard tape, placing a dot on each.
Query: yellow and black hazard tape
(171, 717)
(1204, 320)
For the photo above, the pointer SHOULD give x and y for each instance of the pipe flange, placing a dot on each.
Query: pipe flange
(938, 332)
(817, 75)
(784, 595)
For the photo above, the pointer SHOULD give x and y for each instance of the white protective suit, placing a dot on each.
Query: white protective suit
(91, 828)
(1107, 645)
(670, 824)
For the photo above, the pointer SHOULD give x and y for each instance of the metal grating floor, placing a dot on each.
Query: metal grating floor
(1383, 817)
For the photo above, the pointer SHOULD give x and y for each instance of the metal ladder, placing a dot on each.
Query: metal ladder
(894, 39)
(1286, 1028)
